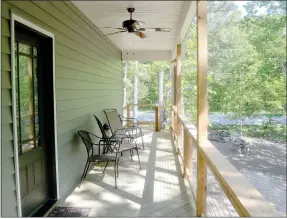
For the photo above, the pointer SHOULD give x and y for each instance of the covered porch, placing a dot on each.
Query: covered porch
(183, 174)
(158, 190)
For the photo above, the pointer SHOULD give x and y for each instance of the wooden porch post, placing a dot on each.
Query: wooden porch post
(172, 97)
(202, 111)
(178, 94)
(178, 79)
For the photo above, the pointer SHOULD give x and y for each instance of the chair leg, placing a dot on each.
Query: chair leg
(139, 158)
(84, 171)
(131, 155)
(87, 169)
(105, 167)
(118, 166)
(115, 174)
(142, 142)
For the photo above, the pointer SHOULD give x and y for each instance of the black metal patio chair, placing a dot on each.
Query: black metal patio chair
(115, 121)
(100, 157)
(119, 144)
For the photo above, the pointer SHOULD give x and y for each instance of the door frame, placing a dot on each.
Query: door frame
(15, 17)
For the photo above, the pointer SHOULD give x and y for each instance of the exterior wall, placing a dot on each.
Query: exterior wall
(88, 80)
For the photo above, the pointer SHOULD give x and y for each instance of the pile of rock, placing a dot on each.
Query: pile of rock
(225, 137)
(241, 145)
(221, 136)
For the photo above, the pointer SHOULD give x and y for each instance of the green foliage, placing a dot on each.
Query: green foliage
(147, 73)
(247, 58)
(189, 69)
(246, 62)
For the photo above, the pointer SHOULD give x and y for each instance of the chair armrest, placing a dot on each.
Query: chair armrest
(128, 118)
(134, 128)
(124, 134)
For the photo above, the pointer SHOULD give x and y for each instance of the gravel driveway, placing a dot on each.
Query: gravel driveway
(264, 166)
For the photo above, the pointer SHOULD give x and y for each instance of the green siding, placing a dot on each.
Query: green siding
(88, 80)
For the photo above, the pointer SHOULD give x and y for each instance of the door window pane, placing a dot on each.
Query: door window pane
(27, 98)
(24, 48)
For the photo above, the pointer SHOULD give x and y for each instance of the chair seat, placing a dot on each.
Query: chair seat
(103, 157)
(118, 137)
(137, 135)
(125, 146)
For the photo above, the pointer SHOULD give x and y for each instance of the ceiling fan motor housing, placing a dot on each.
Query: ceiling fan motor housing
(128, 25)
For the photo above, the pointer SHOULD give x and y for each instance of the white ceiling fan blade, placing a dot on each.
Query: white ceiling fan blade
(115, 33)
(140, 34)
(156, 29)
(116, 28)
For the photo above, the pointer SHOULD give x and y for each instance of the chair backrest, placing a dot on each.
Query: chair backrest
(86, 138)
(114, 119)
(104, 135)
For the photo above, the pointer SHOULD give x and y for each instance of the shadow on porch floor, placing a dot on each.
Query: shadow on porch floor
(158, 190)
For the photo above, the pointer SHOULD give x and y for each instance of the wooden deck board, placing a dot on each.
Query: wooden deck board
(158, 190)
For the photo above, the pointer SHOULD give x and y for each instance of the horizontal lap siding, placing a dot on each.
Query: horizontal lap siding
(8, 205)
(88, 80)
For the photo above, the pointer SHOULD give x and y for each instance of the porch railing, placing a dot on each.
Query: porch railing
(246, 199)
(156, 122)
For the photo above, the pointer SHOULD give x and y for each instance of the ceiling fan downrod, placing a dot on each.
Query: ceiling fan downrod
(131, 10)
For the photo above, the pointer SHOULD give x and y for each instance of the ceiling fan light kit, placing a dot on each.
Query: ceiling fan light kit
(134, 26)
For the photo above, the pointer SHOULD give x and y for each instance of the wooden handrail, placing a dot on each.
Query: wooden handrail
(246, 199)
(145, 104)
(157, 115)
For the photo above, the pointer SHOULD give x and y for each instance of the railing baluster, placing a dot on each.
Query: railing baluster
(157, 118)
(179, 133)
(201, 185)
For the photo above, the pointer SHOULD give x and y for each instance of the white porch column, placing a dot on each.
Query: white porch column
(135, 108)
(125, 88)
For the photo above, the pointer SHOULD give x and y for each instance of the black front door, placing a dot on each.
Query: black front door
(35, 126)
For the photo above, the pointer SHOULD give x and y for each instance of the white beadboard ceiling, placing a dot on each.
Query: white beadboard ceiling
(163, 14)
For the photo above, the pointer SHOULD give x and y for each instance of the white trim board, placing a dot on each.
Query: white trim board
(146, 55)
(1, 109)
(29, 24)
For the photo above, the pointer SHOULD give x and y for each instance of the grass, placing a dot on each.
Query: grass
(271, 132)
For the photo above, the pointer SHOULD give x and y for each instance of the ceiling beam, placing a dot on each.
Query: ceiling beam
(146, 55)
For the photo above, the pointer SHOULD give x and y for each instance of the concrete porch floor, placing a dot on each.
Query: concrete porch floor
(158, 190)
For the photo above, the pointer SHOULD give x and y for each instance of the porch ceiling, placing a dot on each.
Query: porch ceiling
(165, 14)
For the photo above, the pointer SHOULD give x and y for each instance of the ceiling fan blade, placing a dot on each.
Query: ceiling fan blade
(156, 29)
(140, 34)
(117, 28)
(115, 33)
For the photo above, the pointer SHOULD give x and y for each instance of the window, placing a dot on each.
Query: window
(26, 97)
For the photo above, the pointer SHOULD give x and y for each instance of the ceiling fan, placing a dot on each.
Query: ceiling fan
(134, 26)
